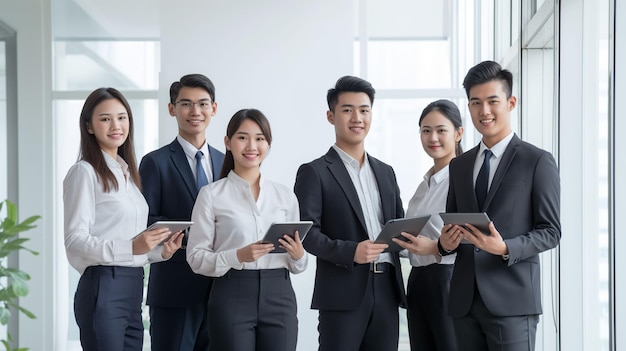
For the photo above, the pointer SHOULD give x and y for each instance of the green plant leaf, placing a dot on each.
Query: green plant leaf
(5, 314)
(14, 273)
(28, 313)
(19, 287)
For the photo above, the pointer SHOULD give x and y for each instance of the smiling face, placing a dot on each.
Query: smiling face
(193, 111)
(439, 138)
(491, 111)
(351, 116)
(249, 147)
(109, 124)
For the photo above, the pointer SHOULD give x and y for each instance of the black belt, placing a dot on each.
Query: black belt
(381, 267)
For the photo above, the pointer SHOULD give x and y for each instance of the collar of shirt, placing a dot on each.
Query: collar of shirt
(497, 149)
(191, 150)
(242, 183)
(350, 161)
(438, 177)
(116, 163)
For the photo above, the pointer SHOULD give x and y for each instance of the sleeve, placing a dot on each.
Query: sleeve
(546, 195)
(293, 214)
(308, 189)
(79, 205)
(201, 254)
(151, 187)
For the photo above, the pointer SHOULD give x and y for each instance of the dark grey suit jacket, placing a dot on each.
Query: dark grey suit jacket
(524, 204)
(328, 198)
(169, 187)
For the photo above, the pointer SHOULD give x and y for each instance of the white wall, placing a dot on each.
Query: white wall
(31, 20)
(279, 56)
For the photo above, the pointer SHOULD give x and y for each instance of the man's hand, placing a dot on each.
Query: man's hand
(367, 251)
(492, 242)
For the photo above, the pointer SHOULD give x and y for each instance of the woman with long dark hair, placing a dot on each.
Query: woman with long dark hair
(105, 222)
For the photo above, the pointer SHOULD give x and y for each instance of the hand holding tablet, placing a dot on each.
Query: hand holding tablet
(173, 226)
(394, 227)
(277, 230)
(479, 220)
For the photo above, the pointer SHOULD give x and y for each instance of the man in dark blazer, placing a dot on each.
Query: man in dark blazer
(176, 295)
(349, 195)
(495, 292)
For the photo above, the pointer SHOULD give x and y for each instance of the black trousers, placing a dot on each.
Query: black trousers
(252, 310)
(480, 330)
(179, 329)
(373, 326)
(107, 307)
(428, 291)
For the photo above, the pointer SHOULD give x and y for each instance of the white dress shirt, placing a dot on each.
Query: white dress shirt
(497, 151)
(369, 196)
(99, 226)
(227, 218)
(430, 199)
(190, 152)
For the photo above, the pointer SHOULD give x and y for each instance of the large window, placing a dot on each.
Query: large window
(87, 56)
(411, 66)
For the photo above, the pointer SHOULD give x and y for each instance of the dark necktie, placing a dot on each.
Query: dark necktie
(201, 179)
(482, 181)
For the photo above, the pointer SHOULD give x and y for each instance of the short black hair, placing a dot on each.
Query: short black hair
(487, 71)
(349, 84)
(192, 81)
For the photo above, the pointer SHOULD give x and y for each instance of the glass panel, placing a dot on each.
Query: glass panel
(405, 64)
(125, 65)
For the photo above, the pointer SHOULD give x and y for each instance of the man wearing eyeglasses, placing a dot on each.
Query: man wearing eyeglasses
(171, 178)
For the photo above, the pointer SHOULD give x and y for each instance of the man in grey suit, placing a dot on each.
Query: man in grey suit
(171, 177)
(349, 195)
(495, 293)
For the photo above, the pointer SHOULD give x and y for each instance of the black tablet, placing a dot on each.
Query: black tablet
(479, 220)
(394, 227)
(278, 229)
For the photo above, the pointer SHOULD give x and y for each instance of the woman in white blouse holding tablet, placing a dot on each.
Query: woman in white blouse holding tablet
(104, 213)
(252, 305)
(428, 288)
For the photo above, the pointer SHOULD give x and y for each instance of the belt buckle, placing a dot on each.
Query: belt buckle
(375, 270)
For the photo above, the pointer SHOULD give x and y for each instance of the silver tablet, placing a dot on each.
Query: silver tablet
(173, 226)
(278, 229)
(394, 227)
(479, 220)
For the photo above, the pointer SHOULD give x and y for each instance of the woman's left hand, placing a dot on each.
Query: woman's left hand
(292, 245)
(172, 245)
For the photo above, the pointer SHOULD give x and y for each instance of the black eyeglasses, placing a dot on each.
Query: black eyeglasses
(188, 105)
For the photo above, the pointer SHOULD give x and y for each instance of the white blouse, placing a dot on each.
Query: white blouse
(226, 218)
(430, 199)
(99, 226)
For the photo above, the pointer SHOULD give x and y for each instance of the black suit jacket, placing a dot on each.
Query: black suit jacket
(524, 204)
(170, 190)
(328, 198)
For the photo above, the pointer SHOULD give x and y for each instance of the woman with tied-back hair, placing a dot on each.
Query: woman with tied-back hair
(430, 327)
(252, 305)
(105, 221)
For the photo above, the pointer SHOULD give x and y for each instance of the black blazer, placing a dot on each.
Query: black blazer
(169, 187)
(328, 198)
(524, 204)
